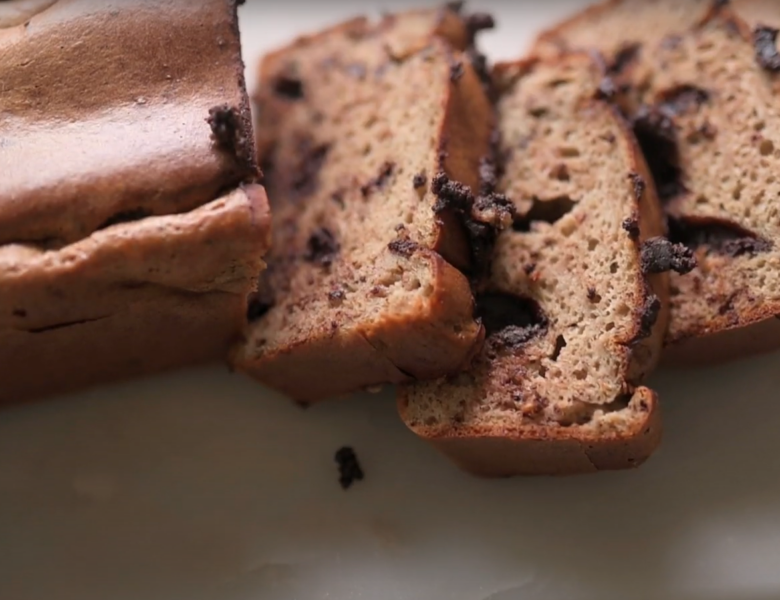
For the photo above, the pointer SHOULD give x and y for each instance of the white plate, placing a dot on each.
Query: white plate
(203, 485)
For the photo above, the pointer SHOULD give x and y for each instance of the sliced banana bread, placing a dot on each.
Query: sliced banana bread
(372, 138)
(576, 303)
(705, 76)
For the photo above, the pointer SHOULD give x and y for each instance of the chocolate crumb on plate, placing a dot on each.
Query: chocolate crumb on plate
(349, 468)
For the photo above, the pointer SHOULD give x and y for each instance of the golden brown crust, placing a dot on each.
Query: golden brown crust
(534, 452)
(100, 120)
(130, 300)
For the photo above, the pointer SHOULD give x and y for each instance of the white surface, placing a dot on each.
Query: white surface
(205, 486)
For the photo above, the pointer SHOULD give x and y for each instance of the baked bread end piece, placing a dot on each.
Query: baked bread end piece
(131, 299)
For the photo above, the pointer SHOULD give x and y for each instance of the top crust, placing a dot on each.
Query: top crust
(357, 126)
(105, 115)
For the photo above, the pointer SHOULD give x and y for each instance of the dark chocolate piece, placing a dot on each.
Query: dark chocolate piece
(377, 182)
(322, 247)
(403, 247)
(657, 137)
(626, 54)
(631, 225)
(659, 255)
(288, 86)
(226, 130)
(349, 467)
(649, 318)
(311, 156)
(718, 236)
(419, 180)
(765, 42)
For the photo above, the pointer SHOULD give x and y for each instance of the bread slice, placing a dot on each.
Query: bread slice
(576, 303)
(708, 119)
(371, 137)
(131, 230)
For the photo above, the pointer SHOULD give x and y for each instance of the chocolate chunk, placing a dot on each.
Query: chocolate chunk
(419, 180)
(480, 65)
(403, 247)
(311, 157)
(631, 225)
(659, 255)
(650, 312)
(226, 129)
(456, 6)
(349, 467)
(722, 237)
(288, 86)
(336, 296)
(627, 54)
(749, 246)
(479, 21)
(377, 182)
(481, 217)
(657, 137)
(681, 99)
(509, 320)
(456, 70)
(639, 185)
(450, 194)
(322, 247)
(765, 43)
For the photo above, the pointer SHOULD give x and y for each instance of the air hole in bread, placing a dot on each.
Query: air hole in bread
(723, 237)
(549, 211)
(126, 216)
(509, 319)
(560, 344)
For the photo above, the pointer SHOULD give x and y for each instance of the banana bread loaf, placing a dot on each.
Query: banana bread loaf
(131, 231)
